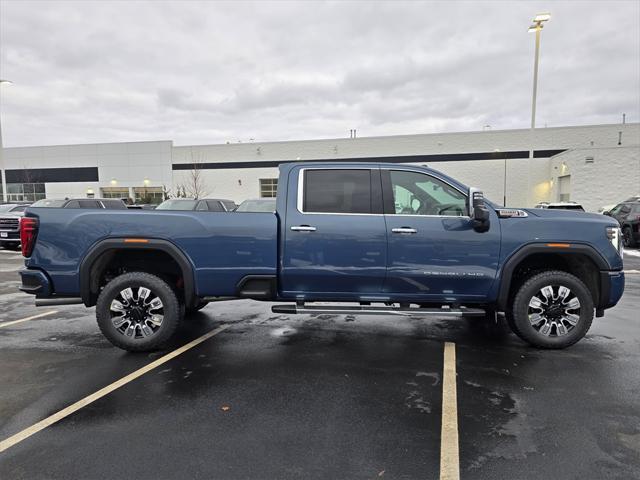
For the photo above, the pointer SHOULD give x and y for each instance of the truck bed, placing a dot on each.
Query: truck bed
(222, 247)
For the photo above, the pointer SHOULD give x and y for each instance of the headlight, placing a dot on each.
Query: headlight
(614, 234)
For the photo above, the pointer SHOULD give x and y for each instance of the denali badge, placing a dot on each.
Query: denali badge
(511, 212)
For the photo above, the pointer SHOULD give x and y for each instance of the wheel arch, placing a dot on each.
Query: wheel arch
(98, 257)
(573, 258)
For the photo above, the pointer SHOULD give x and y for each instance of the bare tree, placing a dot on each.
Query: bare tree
(179, 193)
(28, 178)
(195, 186)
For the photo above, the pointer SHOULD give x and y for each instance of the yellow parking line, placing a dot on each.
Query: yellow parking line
(40, 315)
(65, 412)
(449, 455)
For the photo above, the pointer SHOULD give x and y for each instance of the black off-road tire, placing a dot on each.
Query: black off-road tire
(519, 316)
(628, 240)
(159, 288)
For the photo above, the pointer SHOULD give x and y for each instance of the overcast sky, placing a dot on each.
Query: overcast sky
(212, 72)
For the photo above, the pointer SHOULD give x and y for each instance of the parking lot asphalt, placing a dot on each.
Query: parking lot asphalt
(316, 396)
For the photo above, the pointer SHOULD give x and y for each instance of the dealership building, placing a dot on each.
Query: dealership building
(594, 165)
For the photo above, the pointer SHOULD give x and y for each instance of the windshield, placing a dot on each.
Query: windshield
(177, 205)
(257, 206)
(49, 203)
(6, 208)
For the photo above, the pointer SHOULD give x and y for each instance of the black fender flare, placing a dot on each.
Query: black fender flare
(556, 248)
(136, 244)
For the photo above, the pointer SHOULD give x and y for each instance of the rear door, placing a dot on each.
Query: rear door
(434, 253)
(335, 237)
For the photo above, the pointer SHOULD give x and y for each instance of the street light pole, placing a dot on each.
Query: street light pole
(3, 171)
(537, 28)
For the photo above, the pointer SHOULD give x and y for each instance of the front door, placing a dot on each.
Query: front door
(434, 253)
(335, 241)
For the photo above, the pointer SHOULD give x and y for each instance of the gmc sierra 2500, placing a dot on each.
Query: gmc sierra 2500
(408, 238)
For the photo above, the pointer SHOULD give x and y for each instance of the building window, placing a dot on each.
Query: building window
(25, 192)
(148, 195)
(268, 187)
(115, 192)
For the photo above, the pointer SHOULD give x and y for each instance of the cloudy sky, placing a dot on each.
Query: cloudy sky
(212, 72)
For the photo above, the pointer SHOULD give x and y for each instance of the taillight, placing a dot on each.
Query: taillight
(28, 233)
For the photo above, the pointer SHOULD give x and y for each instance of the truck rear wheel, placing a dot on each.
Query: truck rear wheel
(137, 311)
(552, 309)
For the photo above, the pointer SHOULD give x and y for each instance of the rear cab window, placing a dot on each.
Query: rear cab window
(338, 191)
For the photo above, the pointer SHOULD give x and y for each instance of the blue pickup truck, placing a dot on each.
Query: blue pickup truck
(358, 238)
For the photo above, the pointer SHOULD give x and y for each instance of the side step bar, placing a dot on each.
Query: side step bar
(293, 309)
(54, 302)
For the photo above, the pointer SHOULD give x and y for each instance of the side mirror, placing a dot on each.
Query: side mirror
(478, 210)
(607, 213)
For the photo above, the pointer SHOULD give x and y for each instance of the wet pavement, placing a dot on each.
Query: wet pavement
(317, 397)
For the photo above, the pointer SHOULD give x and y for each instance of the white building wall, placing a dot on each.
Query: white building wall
(232, 184)
(129, 164)
(613, 176)
(445, 143)
(119, 164)
(485, 174)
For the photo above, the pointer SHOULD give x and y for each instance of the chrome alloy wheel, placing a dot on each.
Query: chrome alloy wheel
(137, 312)
(554, 311)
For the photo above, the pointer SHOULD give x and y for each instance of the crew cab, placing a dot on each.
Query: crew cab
(362, 238)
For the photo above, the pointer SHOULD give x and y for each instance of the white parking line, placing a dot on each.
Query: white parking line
(632, 253)
(449, 454)
(65, 412)
(40, 315)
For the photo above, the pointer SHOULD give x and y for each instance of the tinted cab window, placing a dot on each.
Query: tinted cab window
(114, 204)
(337, 191)
(215, 206)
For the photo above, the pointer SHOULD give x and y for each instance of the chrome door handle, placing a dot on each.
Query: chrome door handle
(404, 230)
(303, 228)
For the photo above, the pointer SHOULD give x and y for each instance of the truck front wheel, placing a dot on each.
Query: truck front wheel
(137, 311)
(552, 309)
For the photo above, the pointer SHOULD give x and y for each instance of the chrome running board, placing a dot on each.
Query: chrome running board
(293, 309)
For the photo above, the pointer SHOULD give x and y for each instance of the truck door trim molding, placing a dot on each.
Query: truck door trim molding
(119, 244)
(516, 258)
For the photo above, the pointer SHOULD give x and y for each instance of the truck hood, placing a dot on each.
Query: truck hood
(12, 214)
(560, 214)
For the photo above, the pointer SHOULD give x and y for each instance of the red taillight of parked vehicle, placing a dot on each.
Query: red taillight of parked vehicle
(28, 233)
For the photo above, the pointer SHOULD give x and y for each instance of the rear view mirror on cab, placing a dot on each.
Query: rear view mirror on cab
(478, 210)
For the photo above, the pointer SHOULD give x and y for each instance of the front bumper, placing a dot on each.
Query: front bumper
(9, 236)
(611, 289)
